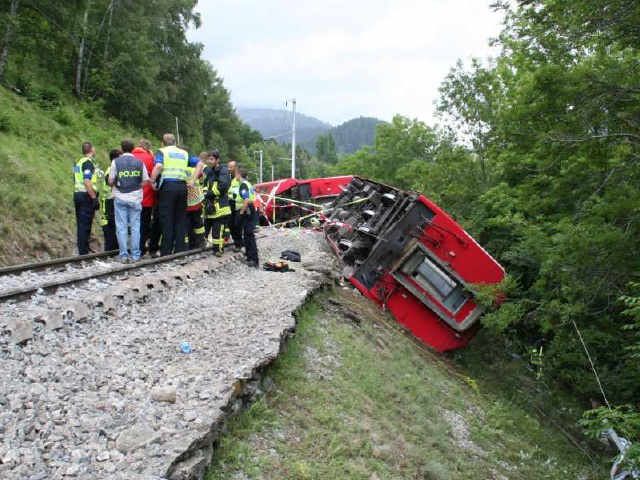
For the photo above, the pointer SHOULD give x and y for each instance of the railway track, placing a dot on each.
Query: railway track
(37, 266)
(96, 383)
(18, 282)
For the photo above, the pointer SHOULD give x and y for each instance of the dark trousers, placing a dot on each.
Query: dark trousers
(156, 229)
(248, 223)
(150, 229)
(216, 226)
(171, 207)
(236, 229)
(195, 228)
(109, 230)
(85, 209)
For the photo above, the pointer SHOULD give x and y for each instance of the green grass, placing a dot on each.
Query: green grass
(39, 143)
(364, 402)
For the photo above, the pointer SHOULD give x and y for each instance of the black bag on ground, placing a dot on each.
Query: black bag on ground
(290, 255)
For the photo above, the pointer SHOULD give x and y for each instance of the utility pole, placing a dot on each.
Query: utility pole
(260, 168)
(272, 172)
(177, 133)
(293, 142)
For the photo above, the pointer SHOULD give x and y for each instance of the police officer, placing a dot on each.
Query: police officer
(107, 217)
(128, 175)
(85, 196)
(173, 163)
(234, 203)
(216, 201)
(248, 216)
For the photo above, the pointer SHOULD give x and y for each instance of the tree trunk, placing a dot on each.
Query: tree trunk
(112, 7)
(77, 89)
(13, 12)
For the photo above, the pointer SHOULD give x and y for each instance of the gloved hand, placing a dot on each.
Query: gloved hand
(96, 203)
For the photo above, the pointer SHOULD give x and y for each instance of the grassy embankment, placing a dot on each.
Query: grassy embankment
(358, 401)
(40, 139)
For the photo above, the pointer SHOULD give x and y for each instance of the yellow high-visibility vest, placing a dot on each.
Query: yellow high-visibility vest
(175, 164)
(78, 175)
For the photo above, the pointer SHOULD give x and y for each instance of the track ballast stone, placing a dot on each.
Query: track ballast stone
(112, 396)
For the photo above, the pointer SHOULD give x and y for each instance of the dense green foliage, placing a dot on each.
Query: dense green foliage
(131, 57)
(326, 149)
(543, 171)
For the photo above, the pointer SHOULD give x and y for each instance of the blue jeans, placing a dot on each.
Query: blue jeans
(128, 217)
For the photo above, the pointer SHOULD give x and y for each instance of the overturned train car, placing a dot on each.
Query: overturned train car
(289, 199)
(406, 254)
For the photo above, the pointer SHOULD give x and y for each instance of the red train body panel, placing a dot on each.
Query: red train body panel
(301, 195)
(406, 254)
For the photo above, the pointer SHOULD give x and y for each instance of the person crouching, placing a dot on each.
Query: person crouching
(128, 175)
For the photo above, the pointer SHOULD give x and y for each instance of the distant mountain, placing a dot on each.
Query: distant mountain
(349, 136)
(277, 123)
(354, 134)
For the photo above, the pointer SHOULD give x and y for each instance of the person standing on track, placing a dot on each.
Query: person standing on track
(128, 175)
(248, 216)
(85, 196)
(216, 201)
(195, 226)
(149, 223)
(234, 203)
(173, 163)
(107, 215)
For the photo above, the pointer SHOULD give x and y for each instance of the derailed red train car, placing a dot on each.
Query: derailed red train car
(406, 254)
(290, 198)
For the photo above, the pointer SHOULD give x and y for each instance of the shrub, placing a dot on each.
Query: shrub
(63, 117)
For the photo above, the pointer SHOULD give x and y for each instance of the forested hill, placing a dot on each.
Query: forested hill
(349, 136)
(130, 58)
(354, 134)
(95, 70)
(277, 124)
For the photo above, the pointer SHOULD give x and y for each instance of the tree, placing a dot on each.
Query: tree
(4, 48)
(326, 149)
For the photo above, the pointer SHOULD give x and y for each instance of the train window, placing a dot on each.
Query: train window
(435, 281)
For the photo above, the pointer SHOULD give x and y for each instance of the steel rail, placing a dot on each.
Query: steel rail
(26, 267)
(51, 286)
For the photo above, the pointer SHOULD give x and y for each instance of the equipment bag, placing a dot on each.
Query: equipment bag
(290, 255)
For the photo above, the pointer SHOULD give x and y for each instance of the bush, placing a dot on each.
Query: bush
(624, 420)
(63, 117)
(46, 97)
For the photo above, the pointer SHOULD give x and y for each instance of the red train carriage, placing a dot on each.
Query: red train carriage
(406, 254)
(290, 198)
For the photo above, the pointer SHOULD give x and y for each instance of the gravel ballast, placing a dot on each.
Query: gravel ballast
(101, 388)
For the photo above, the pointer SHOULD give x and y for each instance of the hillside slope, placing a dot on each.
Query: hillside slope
(353, 398)
(38, 146)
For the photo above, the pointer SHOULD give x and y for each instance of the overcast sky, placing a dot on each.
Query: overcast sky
(342, 59)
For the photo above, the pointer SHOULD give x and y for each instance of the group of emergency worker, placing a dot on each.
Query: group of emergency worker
(164, 203)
